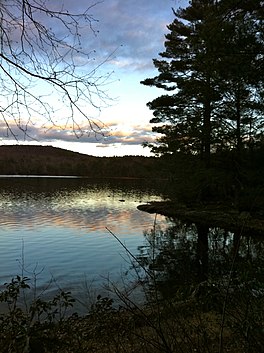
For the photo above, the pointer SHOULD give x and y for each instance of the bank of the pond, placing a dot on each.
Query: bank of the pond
(193, 325)
(212, 215)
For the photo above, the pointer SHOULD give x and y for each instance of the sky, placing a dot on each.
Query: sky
(132, 33)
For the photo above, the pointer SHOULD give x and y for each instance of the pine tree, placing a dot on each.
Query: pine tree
(241, 72)
(212, 72)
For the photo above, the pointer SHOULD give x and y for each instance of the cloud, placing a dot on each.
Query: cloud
(135, 28)
(132, 135)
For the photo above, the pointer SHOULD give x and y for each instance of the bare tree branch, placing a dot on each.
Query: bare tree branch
(47, 72)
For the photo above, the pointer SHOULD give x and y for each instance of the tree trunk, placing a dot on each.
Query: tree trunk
(238, 125)
(207, 132)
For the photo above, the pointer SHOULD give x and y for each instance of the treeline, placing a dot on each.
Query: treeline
(48, 160)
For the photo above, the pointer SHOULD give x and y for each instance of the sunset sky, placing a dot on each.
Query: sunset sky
(133, 30)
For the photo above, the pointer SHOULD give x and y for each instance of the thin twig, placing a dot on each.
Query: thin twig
(129, 252)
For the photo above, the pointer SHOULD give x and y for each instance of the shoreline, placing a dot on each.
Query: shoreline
(211, 215)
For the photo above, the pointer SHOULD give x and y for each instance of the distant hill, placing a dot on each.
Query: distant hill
(48, 160)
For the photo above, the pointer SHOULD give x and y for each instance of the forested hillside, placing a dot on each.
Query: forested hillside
(48, 160)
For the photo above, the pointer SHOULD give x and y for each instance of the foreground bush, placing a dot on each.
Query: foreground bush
(212, 317)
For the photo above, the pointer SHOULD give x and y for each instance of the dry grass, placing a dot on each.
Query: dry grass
(176, 327)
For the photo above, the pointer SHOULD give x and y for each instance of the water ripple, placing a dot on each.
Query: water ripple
(62, 229)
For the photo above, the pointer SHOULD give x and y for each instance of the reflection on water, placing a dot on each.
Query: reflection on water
(182, 256)
(60, 225)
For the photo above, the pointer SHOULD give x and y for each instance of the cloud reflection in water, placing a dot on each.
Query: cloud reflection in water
(62, 226)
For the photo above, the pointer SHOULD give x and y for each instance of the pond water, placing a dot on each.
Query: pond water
(57, 231)
(55, 228)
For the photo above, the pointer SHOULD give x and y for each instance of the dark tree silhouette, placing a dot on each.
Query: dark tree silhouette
(212, 72)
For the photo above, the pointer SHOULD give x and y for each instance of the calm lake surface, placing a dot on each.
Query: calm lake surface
(55, 228)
